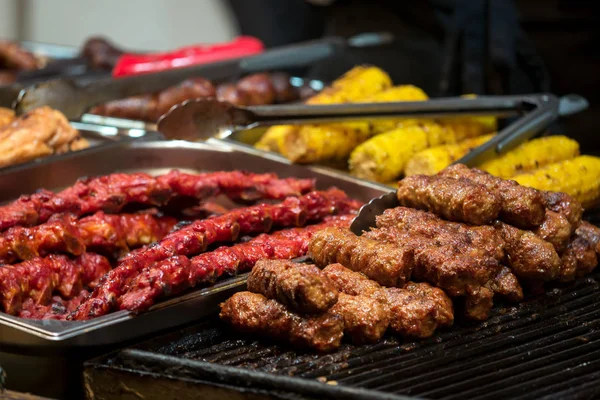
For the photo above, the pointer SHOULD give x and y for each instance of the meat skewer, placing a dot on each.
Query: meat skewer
(365, 319)
(101, 233)
(110, 193)
(529, 256)
(39, 278)
(555, 229)
(194, 239)
(453, 199)
(415, 311)
(301, 287)
(520, 206)
(165, 278)
(254, 313)
(384, 263)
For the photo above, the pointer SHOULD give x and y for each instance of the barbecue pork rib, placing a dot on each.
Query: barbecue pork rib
(196, 237)
(38, 279)
(110, 193)
(177, 273)
(101, 233)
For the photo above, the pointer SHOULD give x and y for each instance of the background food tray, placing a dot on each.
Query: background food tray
(154, 158)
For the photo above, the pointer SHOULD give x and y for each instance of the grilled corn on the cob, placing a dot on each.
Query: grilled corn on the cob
(384, 157)
(311, 143)
(396, 93)
(358, 83)
(431, 161)
(274, 137)
(531, 155)
(578, 177)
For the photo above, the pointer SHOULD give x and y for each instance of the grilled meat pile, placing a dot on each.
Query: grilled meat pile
(38, 133)
(252, 90)
(106, 244)
(462, 234)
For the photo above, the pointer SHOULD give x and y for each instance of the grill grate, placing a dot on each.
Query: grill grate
(547, 347)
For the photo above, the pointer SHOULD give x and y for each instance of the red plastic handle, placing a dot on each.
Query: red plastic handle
(134, 64)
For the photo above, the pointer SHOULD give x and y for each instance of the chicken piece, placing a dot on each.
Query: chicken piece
(591, 233)
(415, 311)
(453, 199)
(365, 319)
(529, 256)
(6, 116)
(12, 56)
(303, 288)
(36, 134)
(254, 313)
(521, 206)
(555, 229)
(386, 264)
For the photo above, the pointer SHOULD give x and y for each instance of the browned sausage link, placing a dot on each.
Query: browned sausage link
(230, 93)
(529, 256)
(301, 287)
(555, 229)
(415, 311)
(520, 206)
(384, 263)
(591, 233)
(365, 319)
(584, 253)
(7, 77)
(258, 88)
(135, 107)
(506, 284)
(453, 199)
(12, 56)
(254, 313)
(194, 88)
(284, 91)
(479, 303)
(564, 204)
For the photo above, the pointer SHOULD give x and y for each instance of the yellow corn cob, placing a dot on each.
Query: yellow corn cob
(358, 83)
(273, 138)
(579, 177)
(531, 155)
(432, 160)
(467, 127)
(382, 158)
(311, 143)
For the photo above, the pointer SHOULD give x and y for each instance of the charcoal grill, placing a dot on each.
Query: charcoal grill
(546, 347)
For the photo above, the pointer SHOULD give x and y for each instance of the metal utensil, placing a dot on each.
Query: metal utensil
(200, 119)
(73, 98)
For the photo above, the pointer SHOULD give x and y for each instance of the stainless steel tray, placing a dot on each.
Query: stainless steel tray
(155, 158)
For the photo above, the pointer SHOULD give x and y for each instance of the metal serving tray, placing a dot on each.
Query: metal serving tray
(17, 334)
